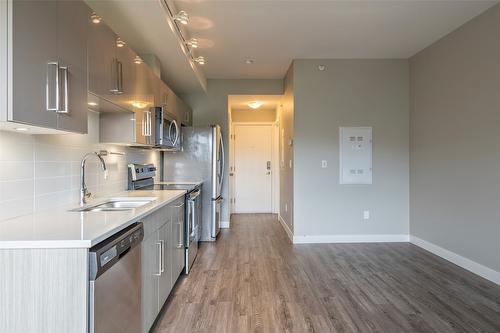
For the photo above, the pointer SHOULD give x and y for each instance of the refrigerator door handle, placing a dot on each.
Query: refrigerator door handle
(223, 166)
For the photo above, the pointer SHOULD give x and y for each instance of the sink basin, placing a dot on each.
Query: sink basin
(116, 204)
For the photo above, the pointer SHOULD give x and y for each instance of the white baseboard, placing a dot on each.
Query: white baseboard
(224, 224)
(350, 239)
(472, 266)
(285, 226)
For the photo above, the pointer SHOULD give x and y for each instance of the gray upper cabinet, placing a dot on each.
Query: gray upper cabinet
(101, 60)
(73, 18)
(49, 64)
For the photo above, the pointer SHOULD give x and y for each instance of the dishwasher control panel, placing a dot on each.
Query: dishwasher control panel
(103, 255)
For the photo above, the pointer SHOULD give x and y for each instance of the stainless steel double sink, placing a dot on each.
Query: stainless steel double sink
(116, 204)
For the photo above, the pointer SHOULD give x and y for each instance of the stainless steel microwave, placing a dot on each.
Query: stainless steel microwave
(167, 130)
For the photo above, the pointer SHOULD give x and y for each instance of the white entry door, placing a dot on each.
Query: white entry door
(252, 161)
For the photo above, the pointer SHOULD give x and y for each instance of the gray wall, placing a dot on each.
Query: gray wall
(455, 141)
(286, 114)
(351, 93)
(212, 108)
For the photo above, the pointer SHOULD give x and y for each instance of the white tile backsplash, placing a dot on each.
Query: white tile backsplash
(42, 172)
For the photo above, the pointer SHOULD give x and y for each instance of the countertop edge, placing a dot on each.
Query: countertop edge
(83, 243)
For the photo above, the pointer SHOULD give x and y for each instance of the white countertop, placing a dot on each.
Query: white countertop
(62, 228)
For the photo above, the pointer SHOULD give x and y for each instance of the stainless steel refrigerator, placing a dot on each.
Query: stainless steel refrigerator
(201, 158)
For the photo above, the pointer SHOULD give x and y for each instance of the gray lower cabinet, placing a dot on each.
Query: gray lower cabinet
(177, 239)
(48, 61)
(161, 258)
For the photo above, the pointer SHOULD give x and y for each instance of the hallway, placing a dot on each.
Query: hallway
(254, 280)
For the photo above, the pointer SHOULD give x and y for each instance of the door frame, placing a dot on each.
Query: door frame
(274, 163)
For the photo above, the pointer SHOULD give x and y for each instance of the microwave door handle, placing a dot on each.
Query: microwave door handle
(170, 132)
(176, 132)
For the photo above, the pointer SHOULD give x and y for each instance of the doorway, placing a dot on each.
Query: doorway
(253, 157)
(254, 154)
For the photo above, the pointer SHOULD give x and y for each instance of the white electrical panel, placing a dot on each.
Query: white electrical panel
(355, 155)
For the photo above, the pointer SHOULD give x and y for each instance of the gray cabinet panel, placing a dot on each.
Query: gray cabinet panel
(150, 271)
(73, 18)
(177, 239)
(165, 280)
(34, 45)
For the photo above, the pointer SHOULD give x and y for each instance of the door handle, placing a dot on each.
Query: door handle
(158, 244)
(181, 241)
(66, 93)
(55, 85)
(162, 265)
(120, 77)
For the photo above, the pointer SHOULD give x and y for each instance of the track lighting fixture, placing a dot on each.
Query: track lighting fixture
(182, 17)
(95, 18)
(200, 60)
(193, 42)
(120, 42)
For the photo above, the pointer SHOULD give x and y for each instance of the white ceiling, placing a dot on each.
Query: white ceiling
(275, 32)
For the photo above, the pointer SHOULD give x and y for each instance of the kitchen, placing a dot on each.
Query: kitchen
(120, 197)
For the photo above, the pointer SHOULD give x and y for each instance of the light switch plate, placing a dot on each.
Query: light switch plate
(324, 164)
(366, 215)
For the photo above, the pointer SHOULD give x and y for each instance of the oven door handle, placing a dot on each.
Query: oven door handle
(193, 195)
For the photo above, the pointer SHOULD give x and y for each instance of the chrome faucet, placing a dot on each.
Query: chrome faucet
(84, 193)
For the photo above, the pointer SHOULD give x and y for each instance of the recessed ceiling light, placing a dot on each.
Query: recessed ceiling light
(95, 18)
(182, 17)
(249, 61)
(200, 60)
(21, 129)
(255, 104)
(120, 42)
(92, 103)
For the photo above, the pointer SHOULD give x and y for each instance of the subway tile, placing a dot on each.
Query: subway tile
(52, 184)
(52, 169)
(16, 170)
(14, 208)
(16, 189)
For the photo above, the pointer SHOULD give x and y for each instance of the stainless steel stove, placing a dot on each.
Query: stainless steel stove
(141, 177)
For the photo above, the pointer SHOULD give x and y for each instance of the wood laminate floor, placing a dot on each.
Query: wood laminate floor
(254, 280)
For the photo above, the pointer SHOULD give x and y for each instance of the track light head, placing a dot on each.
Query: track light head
(182, 17)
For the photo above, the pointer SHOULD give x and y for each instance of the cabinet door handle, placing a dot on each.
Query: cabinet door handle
(181, 240)
(66, 93)
(55, 86)
(120, 77)
(159, 258)
(115, 68)
(162, 265)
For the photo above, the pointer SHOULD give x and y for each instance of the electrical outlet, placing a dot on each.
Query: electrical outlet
(324, 164)
(366, 215)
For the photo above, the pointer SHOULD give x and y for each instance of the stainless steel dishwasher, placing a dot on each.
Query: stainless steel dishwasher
(115, 283)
